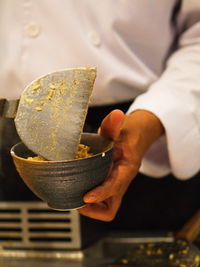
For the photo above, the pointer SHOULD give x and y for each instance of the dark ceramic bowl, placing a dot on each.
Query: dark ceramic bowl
(62, 184)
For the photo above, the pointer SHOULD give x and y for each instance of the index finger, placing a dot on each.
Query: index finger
(117, 183)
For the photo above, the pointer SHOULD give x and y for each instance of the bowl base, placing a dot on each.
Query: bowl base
(65, 209)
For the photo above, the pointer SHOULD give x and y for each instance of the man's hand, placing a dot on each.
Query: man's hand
(132, 135)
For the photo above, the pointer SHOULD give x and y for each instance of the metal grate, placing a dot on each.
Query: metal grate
(34, 225)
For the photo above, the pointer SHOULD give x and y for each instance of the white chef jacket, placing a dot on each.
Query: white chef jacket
(130, 42)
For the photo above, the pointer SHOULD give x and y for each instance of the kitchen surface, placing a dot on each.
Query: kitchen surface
(112, 250)
(31, 234)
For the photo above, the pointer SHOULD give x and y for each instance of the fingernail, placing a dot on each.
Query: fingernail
(89, 198)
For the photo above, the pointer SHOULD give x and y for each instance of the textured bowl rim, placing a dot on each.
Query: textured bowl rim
(111, 145)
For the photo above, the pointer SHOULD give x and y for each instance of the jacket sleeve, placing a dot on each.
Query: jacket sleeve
(175, 99)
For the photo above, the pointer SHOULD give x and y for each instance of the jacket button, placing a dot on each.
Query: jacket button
(32, 29)
(94, 38)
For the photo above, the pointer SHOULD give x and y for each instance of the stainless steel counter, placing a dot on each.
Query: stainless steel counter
(100, 254)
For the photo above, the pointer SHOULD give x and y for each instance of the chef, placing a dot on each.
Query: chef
(146, 96)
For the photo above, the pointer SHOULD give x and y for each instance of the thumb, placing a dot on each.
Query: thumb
(111, 124)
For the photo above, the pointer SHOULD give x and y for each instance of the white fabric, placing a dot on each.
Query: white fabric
(128, 41)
